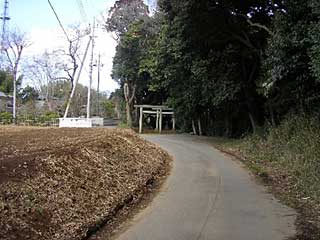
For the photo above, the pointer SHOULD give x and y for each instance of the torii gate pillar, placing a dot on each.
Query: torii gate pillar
(158, 111)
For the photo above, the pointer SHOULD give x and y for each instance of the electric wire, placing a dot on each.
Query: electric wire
(64, 31)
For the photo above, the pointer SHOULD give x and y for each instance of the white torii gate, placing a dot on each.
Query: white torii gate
(158, 111)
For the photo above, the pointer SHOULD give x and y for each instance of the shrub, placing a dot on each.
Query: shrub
(293, 146)
(5, 118)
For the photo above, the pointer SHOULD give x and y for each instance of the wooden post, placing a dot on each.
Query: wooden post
(141, 120)
(157, 121)
(173, 122)
(136, 112)
(160, 121)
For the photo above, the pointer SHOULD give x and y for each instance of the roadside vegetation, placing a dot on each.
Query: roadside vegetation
(286, 158)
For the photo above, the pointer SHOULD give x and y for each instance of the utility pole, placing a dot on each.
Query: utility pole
(4, 19)
(98, 90)
(91, 71)
(77, 79)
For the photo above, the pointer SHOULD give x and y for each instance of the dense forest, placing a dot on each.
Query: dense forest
(232, 66)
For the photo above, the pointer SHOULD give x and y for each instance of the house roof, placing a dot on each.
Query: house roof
(2, 94)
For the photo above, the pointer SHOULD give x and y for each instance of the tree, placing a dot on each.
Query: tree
(72, 67)
(127, 19)
(6, 82)
(109, 108)
(13, 47)
(292, 51)
(314, 34)
(123, 14)
(228, 66)
(126, 65)
(209, 55)
(28, 94)
(71, 63)
(44, 71)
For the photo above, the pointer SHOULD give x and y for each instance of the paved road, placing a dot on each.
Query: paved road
(209, 196)
(110, 123)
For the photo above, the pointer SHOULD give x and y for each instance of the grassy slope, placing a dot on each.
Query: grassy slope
(288, 160)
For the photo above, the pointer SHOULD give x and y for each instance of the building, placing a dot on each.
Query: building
(6, 102)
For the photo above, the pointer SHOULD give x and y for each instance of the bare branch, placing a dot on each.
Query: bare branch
(258, 25)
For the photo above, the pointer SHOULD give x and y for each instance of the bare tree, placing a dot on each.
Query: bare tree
(61, 64)
(13, 47)
(73, 51)
(44, 70)
(72, 67)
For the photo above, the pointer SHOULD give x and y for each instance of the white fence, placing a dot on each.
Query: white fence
(96, 121)
(75, 122)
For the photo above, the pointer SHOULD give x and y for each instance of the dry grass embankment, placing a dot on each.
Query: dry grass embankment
(65, 183)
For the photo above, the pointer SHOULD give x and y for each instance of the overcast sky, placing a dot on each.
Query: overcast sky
(36, 18)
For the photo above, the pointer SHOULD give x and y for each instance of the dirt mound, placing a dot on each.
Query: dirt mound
(63, 183)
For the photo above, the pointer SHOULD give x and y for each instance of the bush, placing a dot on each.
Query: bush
(5, 118)
(50, 116)
(294, 146)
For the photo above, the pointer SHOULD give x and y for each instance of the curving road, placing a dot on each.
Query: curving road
(209, 196)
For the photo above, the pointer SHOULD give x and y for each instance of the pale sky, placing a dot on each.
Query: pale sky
(36, 18)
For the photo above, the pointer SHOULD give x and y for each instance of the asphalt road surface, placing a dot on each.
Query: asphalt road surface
(209, 196)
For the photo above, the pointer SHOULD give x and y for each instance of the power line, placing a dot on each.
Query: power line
(63, 29)
(66, 34)
(57, 17)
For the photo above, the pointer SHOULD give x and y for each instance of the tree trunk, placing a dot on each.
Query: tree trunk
(200, 128)
(194, 128)
(227, 125)
(273, 121)
(117, 111)
(128, 114)
(14, 110)
(250, 101)
(253, 122)
(253, 113)
(136, 116)
(129, 96)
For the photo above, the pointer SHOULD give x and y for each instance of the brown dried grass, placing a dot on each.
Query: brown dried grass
(61, 183)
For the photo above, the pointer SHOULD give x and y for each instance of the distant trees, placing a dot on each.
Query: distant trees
(227, 66)
(13, 47)
(292, 60)
(127, 20)
(6, 82)
(208, 57)
(45, 71)
(28, 94)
